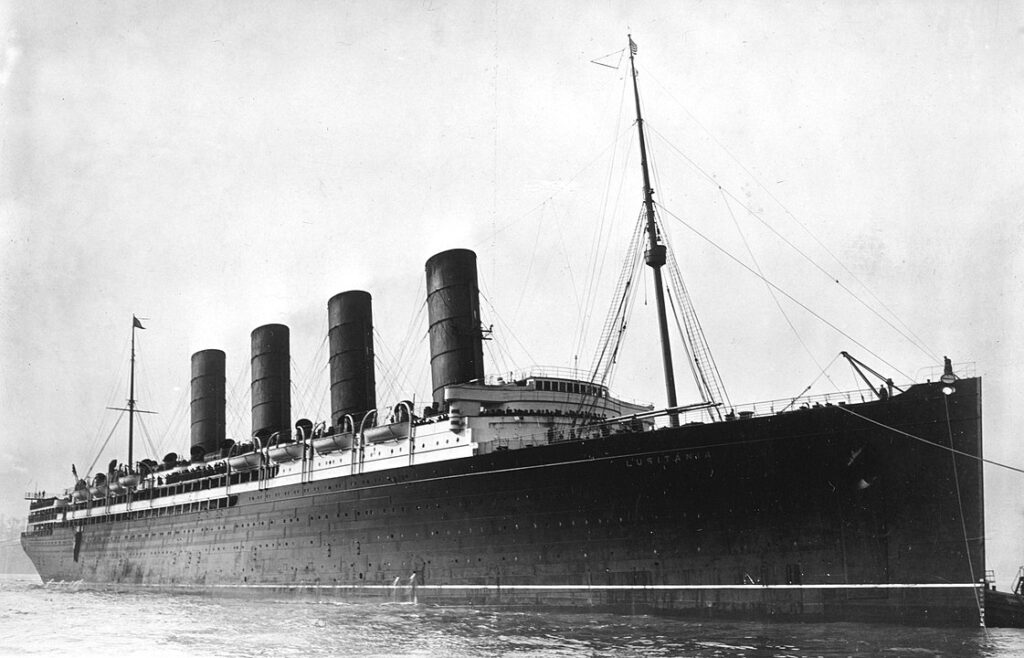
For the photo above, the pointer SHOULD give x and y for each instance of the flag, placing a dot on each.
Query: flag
(632, 46)
(136, 324)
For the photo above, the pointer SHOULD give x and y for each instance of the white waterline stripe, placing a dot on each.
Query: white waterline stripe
(419, 587)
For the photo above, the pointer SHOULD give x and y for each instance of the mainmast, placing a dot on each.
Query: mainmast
(655, 255)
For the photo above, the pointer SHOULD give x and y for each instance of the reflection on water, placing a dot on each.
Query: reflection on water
(69, 621)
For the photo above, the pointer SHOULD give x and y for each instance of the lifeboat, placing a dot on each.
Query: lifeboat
(98, 490)
(333, 442)
(129, 481)
(115, 487)
(246, 461)
(285, 452)
(80, 495)
(392, 432)
(399, 427)
(61, 503)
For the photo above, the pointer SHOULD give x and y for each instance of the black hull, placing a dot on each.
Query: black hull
(815, 514)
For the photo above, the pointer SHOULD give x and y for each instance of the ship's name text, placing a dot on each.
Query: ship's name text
(674, 458)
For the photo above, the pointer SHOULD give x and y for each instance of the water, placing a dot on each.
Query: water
(38, 620)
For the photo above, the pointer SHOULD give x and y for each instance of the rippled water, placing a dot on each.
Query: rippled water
(38, 620)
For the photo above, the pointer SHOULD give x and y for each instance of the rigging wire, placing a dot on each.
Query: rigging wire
(236, 401)
(520, 217)
(105, 441)
(501, 346)
(926, 348)
(413, 326)
(698, 352)
(689, 357)
(699, 349)
(613, 330)
(813, 382)
(111, 398)
(621, 53)
(815, 264)
(955, 451)
(149, 440)
(775, 297)
(391, 368)
(597, 275)
(599, 255)
(501, 322)
(173, 425)
(303, 389)
(960, 503)
(786, 294)
(496, 357)
(529, 267)
(568, 267)
(388, 390)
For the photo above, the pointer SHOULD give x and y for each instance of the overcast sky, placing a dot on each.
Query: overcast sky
(213, 167)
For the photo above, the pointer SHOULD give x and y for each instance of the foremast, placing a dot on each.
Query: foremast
(656, 251)
(131, 396)
(131, 399)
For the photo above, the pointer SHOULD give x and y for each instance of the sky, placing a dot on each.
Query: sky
(215, 166)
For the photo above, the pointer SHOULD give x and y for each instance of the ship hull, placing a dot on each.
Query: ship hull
(815, 514)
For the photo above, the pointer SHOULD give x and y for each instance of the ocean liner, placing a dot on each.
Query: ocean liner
(544, 489)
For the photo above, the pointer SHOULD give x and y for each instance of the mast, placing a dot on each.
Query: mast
(131, 396)
(655, 255)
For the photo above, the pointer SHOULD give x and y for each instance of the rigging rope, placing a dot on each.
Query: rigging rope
(111, 398)
(713, 412)
(105, 441)
(801, 394)
(620, 310)
(407, 344)
(501, 321)
(303, 386)
(518, 218)
(529, 267)
(599, 254)
(173, 425)
(149, 441)
(932, 443)
(771, 292)
(699, 351)
(960, 504)
(786, 294)
(927, 349)
(236, 402)
(810, 260)
(393, 373)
